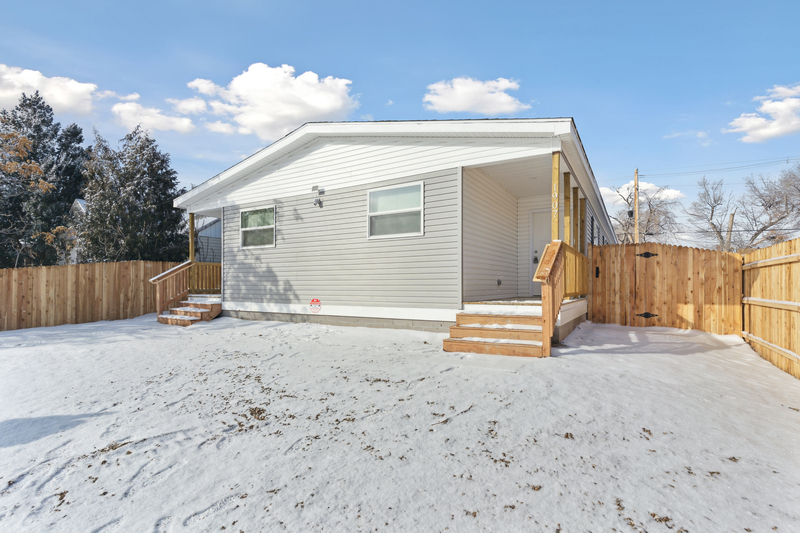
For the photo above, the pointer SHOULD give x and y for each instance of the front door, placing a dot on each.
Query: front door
(540, 237)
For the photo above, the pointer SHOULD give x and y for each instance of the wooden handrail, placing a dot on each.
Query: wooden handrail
(177, 283)
(171, 272)
(563, 271)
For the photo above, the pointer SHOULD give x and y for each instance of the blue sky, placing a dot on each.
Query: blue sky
(650, 85)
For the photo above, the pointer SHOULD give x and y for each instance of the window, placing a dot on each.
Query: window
(395, 211)
(257, 228)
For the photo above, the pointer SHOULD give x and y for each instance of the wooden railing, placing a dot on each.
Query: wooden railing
(177, 283)
(205, 278)
(563, 272)
(576, 272)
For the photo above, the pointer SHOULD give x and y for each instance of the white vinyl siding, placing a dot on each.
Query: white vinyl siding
(345, 162)
(490, 239)
(323, 253)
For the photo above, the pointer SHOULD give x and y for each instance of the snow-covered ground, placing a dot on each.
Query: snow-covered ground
(262, 426)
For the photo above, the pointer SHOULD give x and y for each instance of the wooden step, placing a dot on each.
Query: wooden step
(485, 319)
(197, 312)
(493, 348)
(531, 333)
(177, 320)
(214, 308)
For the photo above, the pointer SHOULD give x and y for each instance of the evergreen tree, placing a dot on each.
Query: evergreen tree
(129, 195)
(35, 219)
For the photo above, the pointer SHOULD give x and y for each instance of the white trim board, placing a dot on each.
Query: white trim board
(400, 313)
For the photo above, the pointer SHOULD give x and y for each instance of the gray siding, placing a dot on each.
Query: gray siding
(325, 254)
(209, 249)
(490, 239)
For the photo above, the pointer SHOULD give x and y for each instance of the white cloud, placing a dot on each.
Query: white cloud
(220, 127)
(272, 101)
(700, 136)
(202, 86)
(390, 102)
(111, 94)
(64, 95)
(613, 199)
(778, 115)
(131, 114)
(473, 96)
(189, 106)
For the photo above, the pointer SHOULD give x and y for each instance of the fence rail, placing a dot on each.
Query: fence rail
(75, 294)
(771, 303)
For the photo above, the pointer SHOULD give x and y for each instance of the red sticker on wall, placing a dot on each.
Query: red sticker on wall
(315, 306)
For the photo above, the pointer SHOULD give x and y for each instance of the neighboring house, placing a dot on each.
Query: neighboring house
(395, 223)
(77, 211)
(209, 242)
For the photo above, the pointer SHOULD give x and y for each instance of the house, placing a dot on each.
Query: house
(74, 251)
(209, 241)
(400, 224)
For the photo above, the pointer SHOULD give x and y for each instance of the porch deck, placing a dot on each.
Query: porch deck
(517, 300)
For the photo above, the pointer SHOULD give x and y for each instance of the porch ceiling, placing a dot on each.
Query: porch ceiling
(523, 177)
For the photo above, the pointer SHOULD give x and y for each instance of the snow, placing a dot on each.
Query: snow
(502, 326)
(180, 317)
(262, 426)
(499, 341)
(202, 301)
(193, 309)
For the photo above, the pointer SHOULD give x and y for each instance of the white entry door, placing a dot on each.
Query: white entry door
(540, 237)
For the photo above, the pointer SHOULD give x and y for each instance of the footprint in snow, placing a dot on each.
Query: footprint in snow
(109, 527)
(222, 505)
(144, 479)
(299, 445)
(163, 525)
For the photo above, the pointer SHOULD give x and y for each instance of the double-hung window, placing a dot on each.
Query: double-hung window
(257, 228)
(396, 211)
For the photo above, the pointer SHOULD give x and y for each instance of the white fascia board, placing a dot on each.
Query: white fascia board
(307, 132)
(597, 201)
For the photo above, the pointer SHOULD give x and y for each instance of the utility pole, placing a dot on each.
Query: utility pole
(636, 206)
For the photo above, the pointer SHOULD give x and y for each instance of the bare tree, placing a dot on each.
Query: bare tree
(657, 208)
(765, 213)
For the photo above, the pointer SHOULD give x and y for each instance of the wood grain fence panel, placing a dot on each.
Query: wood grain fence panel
(74, 294)
(672, 286)
(773, 325)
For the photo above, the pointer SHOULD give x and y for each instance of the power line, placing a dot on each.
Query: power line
(754, 163)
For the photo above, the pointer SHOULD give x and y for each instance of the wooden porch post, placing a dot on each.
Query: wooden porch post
(583, 226)
(191, 237)
(576, 217)
(554, 196)
(567, 211)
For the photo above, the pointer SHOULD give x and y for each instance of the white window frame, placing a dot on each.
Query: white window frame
(421, 210)
(274, 227)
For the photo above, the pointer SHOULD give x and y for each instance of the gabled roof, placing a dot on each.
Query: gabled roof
(536, 128)
(560, 129)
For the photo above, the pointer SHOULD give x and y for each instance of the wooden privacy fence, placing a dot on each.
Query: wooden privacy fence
(662, 285)
(74, 294)
(772, 304)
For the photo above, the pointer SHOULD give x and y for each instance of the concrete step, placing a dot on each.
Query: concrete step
(517, 348)
(177, 320)
(498, 319)
(493, 331)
